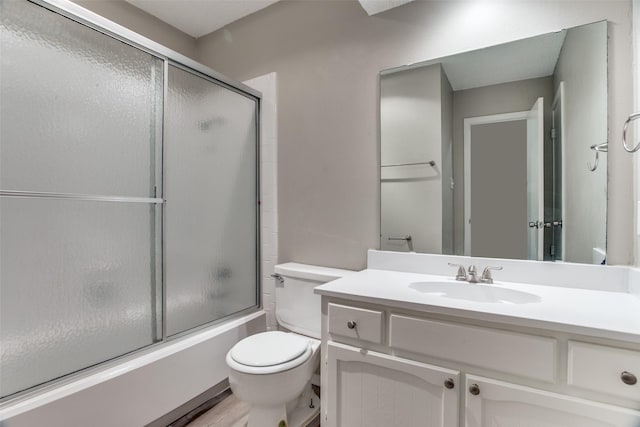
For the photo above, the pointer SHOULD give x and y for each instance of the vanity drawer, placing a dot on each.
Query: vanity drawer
(519, 354)
(356, 323)
(600, 368)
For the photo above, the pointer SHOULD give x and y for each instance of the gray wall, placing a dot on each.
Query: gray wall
(580, 67)
(328, 55)
(499, 190)
(142, 23)
(485, 101)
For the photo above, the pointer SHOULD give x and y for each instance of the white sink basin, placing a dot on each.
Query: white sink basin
(475, 292)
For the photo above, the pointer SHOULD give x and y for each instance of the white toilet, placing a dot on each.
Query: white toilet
(272, 371)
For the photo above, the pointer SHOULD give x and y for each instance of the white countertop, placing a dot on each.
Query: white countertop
(596, 313)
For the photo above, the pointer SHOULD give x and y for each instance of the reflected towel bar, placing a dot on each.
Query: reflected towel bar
(430, 163)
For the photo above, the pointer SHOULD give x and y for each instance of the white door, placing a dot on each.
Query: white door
(558, 186)
(535, 179)
(369, 389)
(493, 403)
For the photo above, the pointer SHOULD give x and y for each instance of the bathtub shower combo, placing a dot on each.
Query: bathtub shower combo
(128, 195)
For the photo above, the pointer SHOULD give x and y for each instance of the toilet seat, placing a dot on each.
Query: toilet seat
(269, 353)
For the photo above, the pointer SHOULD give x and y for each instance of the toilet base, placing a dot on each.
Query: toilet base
(297, 413)
(303, 413)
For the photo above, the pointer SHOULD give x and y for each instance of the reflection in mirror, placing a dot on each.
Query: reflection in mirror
(491, 153)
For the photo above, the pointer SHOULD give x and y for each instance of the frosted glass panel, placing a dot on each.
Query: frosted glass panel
(77, 286)
(79, 110)
(210, 138)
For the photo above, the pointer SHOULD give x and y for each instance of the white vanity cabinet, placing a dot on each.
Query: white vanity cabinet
(367, 389)
(388, 367)
(491, 403)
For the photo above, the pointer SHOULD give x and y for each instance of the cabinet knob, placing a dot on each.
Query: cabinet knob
(449, 383)
(351, 324)
(628, 378)
(474, 389)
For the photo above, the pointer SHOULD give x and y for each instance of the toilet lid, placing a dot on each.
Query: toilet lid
(269, 349)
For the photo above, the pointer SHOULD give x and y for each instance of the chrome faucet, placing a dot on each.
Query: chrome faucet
(471, 275)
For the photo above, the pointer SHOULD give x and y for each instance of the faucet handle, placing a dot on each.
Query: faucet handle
(462, 273)
(486, 274)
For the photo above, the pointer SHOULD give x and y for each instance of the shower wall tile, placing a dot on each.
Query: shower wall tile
(267, 84)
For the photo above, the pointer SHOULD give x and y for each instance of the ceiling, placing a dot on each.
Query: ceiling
(200, 17)
(510, 62)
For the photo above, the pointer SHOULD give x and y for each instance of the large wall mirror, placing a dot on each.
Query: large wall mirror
(499, 152)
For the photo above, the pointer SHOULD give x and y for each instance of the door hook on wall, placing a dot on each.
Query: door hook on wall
(604, 147)
(629, 149)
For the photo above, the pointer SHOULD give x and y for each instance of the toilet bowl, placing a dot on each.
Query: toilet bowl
(272, 371)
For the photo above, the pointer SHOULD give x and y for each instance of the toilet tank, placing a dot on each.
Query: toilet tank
(297, 308)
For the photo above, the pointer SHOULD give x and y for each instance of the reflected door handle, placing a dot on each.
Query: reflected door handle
(545, 224)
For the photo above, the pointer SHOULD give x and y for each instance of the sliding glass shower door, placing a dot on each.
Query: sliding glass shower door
(210, 148)
(85, 234)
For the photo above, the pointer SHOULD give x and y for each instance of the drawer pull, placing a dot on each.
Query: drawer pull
(474, 389)
(628, 378)
(351, 324)
(449, 383)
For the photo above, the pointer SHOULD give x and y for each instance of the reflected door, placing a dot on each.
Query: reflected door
(535, 180)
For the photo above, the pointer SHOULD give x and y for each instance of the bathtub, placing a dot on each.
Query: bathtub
(139, 389)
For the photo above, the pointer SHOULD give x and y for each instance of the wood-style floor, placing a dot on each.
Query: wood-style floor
(230, 412)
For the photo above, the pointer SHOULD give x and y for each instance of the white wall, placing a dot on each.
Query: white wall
(328, 55)
(581, 67)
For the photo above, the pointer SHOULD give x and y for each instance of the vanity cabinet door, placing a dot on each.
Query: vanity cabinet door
(371, 389)
(491, 403)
